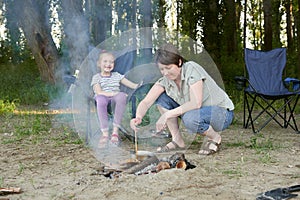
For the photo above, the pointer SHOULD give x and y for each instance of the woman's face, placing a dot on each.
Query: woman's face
(172, 71)
(106, 62)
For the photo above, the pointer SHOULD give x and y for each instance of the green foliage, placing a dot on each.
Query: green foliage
(21, 83)
(7, 107)
(291, 65)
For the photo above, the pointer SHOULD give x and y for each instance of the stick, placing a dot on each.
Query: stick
(135, 143)
(9, 190)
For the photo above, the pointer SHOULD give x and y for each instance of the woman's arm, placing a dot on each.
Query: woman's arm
(145, 104)
(196, 95)
(149, 100)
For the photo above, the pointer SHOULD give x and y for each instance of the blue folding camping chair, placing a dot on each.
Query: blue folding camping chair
(266, 96)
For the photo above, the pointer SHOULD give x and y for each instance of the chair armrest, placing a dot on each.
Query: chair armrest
(294, 82)
(240, 82)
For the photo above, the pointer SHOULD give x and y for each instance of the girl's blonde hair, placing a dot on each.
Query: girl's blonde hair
(103, 52)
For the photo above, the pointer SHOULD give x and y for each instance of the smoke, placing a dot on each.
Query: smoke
(136, 68)
(133, 51)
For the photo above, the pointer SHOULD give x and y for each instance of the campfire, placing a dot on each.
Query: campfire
(147, 164)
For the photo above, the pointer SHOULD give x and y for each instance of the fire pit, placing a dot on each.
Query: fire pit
(149, 164)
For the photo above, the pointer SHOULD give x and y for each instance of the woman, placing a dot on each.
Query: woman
(186, 90)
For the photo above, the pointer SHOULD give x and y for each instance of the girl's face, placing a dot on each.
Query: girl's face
(172, 71)
(106, 62)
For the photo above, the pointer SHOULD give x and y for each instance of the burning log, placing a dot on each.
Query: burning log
(153, 164)
(181, 164)
(162, 166)
(151, 161)
(179, 161)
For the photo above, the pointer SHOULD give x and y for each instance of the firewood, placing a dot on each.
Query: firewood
(162, 166)
(10, 190)
(181, 164)
(138, 167)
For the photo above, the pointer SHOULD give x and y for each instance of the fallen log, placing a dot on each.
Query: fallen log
(10, 190)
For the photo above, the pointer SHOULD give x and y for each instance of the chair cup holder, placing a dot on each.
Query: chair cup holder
(240, 82)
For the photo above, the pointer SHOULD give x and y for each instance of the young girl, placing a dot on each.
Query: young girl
(106, 86)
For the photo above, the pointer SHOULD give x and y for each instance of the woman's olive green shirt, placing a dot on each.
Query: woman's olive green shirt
(192, 72)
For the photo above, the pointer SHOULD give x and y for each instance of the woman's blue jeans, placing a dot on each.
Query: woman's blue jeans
(199, 120)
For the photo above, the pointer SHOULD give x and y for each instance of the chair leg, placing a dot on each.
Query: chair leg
(244, 117)
(285, 123)
(291, 116)
(281, 112)
(250, 110)
(272, 116)
(88, 123)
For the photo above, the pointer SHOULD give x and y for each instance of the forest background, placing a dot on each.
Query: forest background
(43, 40)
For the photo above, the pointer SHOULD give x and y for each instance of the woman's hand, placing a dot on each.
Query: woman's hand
(139, 84)
(134, 123)
(162, 122)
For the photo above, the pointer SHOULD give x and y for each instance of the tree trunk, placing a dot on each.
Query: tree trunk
(267, 9)
(101, 20)
(298, 32)
(210, 30)
(230, 28)
(37, 33)
(277, 15)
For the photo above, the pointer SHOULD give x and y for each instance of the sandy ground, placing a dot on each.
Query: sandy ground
(48, 167)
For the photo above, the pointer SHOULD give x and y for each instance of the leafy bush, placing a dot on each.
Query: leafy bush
(7, 107)
(22, 83)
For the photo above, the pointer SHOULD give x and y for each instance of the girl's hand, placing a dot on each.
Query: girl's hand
(134, 123)
(114, 93)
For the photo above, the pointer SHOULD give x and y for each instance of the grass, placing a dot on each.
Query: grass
(260, 143)
(236, 144)
(36, 129)
(33, 125)
(233, 173)
(67, 136)
(21, 83)
(21, 168)
(263, 147)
